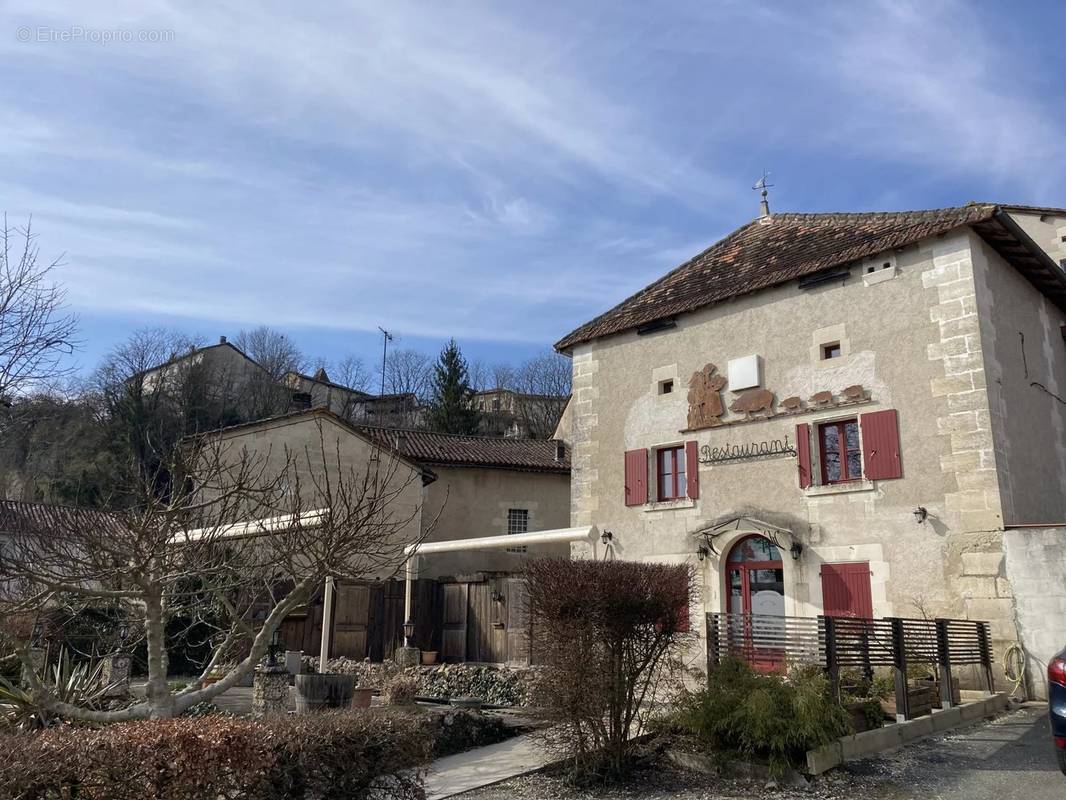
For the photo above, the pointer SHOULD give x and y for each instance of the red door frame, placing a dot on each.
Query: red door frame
(745, 567)
(762, 659)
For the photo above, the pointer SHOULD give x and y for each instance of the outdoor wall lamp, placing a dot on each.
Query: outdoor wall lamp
(920, 514)
(497, 596)
(702, 552)
(408, 631)
(606, 537)
(795, 550)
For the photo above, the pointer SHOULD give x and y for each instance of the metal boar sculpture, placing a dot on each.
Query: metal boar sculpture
(754, 401)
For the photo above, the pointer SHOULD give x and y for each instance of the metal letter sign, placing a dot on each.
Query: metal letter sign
(771, 448)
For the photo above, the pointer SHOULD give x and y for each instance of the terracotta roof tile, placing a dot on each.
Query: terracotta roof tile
(452, 450)
(767, 253)
(19, 517)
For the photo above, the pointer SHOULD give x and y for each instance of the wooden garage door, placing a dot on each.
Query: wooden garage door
(846, 590)
(352, 611)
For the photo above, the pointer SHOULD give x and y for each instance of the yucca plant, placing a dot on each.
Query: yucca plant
(77, 684)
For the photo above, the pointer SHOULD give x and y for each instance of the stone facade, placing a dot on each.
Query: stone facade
(924, 330)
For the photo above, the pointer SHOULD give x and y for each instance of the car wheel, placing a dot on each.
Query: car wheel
(1061, 754)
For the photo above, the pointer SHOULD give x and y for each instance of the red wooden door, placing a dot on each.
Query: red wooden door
(846, 590)
(756, 589)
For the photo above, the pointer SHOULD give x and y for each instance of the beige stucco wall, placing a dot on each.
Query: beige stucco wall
(1025, 358)
(473, 502)
(346, 455)
(911, 337)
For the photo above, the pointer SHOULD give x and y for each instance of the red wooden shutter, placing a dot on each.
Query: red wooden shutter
(880, 445)
(636, 477)
(803, 454)
(846, 590)
(692, 470)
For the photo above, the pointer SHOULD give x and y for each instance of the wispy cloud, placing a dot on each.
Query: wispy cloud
(491, 171)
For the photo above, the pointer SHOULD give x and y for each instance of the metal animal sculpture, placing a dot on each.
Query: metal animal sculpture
(853, 394)
(791, 405)
(821, 398)
(704, 398)
(754, 401)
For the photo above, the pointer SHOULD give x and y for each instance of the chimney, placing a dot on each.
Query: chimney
(221, 339)
(560, 450)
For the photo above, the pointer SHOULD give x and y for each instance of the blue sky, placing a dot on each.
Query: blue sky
(497, 171)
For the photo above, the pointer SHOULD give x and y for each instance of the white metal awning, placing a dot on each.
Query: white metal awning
(555, 536)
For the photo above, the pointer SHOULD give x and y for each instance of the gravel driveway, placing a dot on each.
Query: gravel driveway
(1007, 759)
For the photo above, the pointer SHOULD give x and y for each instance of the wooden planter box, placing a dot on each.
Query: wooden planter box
(920, 699)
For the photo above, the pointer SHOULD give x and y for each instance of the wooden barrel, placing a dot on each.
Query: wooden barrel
(316, 692)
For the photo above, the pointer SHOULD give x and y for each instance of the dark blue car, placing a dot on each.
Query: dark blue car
(1056, 684)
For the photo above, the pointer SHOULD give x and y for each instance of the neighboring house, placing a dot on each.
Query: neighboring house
(505, 412)
(318, 391)
(486, 486)
(847, 414)
(468, 487)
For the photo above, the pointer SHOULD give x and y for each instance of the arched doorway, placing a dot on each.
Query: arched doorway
(755, 589)
(755, 578)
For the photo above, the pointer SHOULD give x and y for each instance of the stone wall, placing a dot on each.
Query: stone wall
(1035, 564)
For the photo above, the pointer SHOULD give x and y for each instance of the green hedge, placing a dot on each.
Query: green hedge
(324, 756)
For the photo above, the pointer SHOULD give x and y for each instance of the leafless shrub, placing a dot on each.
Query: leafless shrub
(327, 756)
(606, 632)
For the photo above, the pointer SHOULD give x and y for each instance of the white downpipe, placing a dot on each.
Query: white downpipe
(327, 625)
(556, 536)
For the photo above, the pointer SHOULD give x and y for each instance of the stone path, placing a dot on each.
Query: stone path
(485, 766)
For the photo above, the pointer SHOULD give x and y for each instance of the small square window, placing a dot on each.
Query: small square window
(831, 350)
(666, 387)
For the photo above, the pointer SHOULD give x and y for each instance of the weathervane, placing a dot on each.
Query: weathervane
(763, 186)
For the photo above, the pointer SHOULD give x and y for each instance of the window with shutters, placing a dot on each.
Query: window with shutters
(670, 473)
(517, 522)
(841, 455)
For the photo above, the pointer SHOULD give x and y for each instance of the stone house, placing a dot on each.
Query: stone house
(846, 414)
(318, 391)
(505, 412)
(467, 487)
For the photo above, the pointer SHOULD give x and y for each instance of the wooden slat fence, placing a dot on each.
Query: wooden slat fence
(770, 643)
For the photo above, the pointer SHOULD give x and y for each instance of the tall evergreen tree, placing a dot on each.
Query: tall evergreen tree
(450, 409)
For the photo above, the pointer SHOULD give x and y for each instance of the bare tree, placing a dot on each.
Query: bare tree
(351, 371)
(272, 350)
(35, 330)
(544, 385)
(408, 371)
(312, 519)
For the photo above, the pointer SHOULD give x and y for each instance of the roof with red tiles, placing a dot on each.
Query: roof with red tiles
(780, 248)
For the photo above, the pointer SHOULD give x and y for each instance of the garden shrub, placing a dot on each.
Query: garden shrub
(458, 731)
(322, 756)
(767, 716)
(606, 633)
(401, 689)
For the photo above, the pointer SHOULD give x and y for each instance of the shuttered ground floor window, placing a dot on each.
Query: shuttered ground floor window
(846, 590)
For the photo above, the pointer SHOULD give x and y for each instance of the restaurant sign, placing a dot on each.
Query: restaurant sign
(751, 451)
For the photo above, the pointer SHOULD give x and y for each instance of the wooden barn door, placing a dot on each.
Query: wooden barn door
(518, 629)
(352, 617)
(453, 623)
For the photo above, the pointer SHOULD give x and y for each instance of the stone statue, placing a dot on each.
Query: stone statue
(705, 407)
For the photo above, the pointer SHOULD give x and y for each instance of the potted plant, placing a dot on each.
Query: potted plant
(429, 657)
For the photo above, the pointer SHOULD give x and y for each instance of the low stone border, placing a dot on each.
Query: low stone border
(867, 743)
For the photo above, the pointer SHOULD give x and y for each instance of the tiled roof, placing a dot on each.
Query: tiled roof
(452, 450)
(770, 252)
(19, 517)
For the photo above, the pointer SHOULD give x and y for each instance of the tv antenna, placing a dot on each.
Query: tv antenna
(763, 187)
(386, 337)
